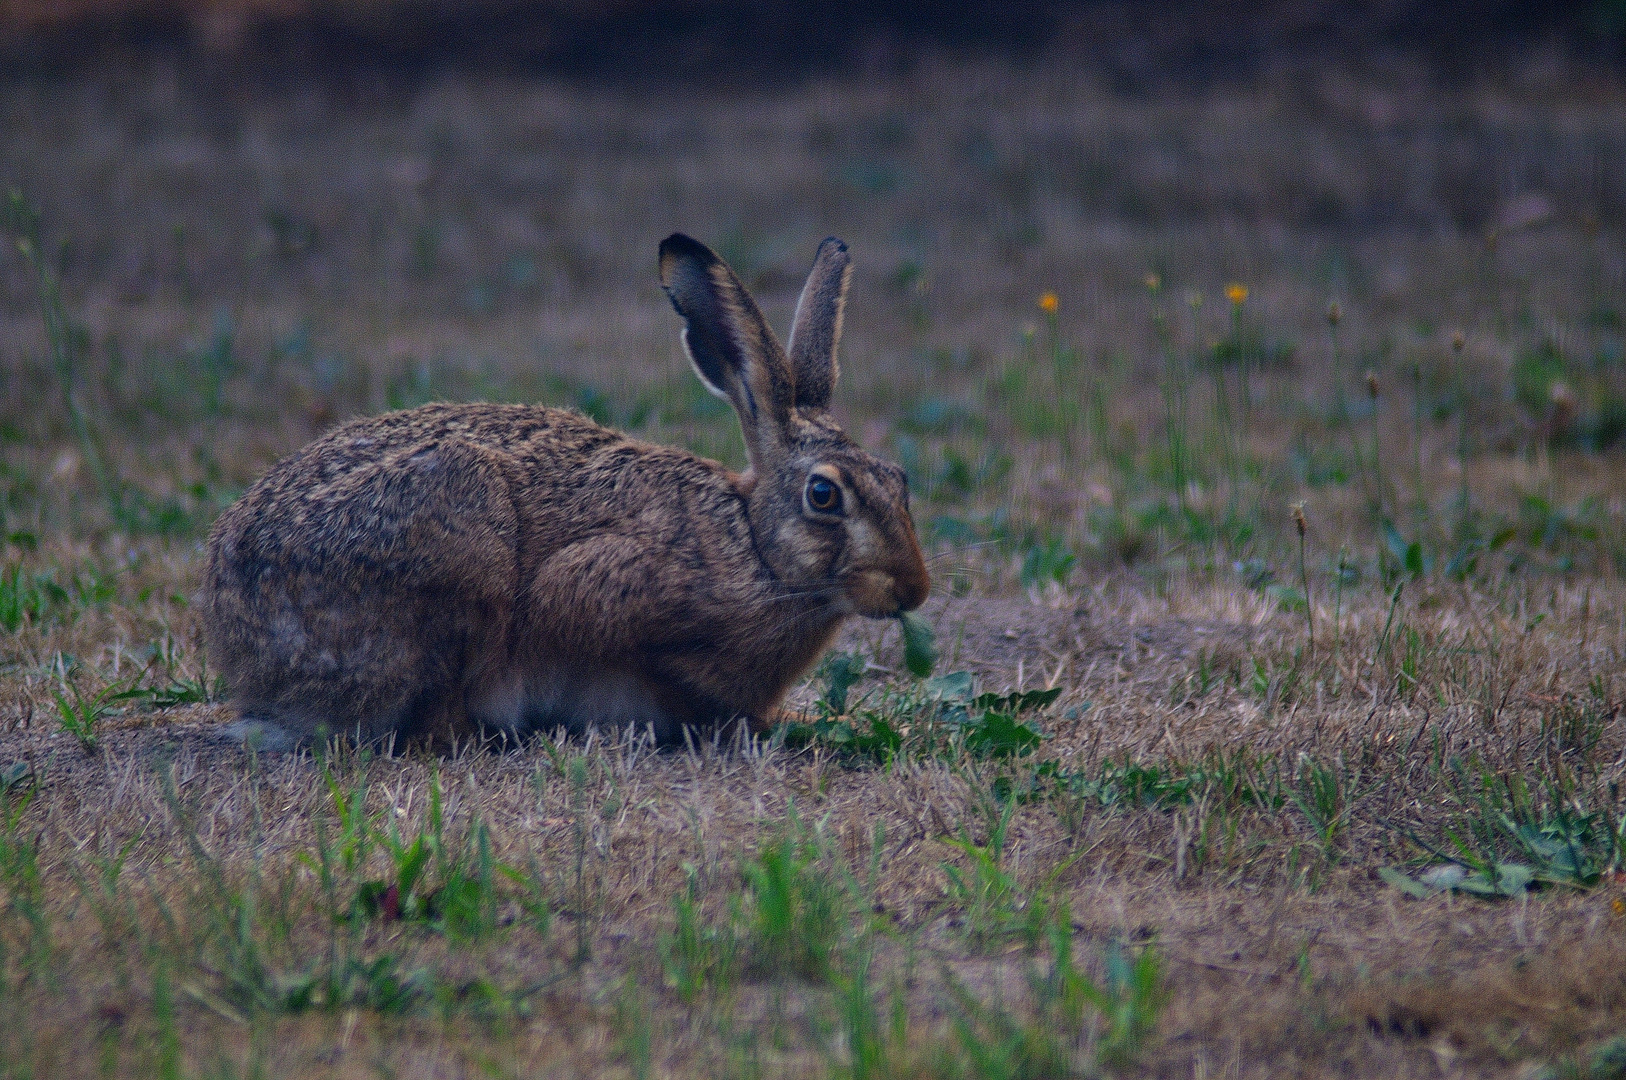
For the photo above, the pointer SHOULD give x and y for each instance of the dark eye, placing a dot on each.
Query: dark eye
(823, 496)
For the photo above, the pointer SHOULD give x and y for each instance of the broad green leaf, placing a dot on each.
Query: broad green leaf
(1018, 702)
(841, 671)
(999, 735)
(1511, 879)
(919, 645)
(1414, 889)
(953, 686)
(1414, 559)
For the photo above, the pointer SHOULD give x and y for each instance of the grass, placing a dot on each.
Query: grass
(1259, 724)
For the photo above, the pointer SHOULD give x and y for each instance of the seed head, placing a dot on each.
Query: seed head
(1298, 519)
(1371, 384)
(1334, 313)
(1154, 284)
(1457, 341)
(1195, 299)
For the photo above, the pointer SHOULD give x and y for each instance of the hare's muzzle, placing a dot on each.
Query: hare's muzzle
(911, 585)
(898, 585)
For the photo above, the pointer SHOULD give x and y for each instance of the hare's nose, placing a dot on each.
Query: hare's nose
(911, 589)
(910, 582)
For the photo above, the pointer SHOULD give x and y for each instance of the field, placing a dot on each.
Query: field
(1265, 435)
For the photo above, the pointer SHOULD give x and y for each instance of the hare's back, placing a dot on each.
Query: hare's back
(412, 496)
(368, 445)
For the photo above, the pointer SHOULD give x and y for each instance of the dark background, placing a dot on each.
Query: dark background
(722, 42)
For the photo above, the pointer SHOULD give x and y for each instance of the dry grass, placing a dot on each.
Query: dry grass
(254, 263)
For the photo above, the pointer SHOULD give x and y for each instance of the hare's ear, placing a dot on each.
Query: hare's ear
(816, 333)
(730, 344)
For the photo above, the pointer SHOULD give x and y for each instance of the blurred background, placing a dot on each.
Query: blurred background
(599, 37)
(1132, 278)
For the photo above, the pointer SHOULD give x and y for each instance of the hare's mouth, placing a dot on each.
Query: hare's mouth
(879, 595)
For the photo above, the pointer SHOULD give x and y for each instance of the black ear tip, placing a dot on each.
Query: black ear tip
(833, 242)
(682, 246)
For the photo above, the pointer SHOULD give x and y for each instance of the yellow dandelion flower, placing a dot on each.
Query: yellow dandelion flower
(1048, 302)
(1236, 293)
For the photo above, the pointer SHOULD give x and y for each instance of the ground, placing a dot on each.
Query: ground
(1339, 798)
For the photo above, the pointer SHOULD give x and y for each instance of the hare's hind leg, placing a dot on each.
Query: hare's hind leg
(369, 614)
(322, 653)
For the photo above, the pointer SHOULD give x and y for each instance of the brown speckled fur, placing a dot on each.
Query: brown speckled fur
(431, 572)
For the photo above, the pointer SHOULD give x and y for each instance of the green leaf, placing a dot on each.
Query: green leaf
(1394, 542)
(1407, 554)
(1016, 703)
(953, 686)
(840, 672)
(1290, 597)
(999, 735)
(411, 866)
(919, 645)
(1414, 889)
(1414, 559)
(1511, 879)
(886, 741)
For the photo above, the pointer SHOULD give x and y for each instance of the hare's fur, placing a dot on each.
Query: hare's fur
(452, 568)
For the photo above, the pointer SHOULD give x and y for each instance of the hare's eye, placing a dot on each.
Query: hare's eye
(823, 496)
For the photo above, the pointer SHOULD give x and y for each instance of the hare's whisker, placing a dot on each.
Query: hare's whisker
(960, 550)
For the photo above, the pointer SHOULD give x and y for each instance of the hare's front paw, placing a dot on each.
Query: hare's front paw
(765, 723)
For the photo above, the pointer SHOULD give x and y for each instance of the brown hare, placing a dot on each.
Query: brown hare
(451, 569)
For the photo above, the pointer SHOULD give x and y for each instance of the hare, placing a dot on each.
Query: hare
(451, 569)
